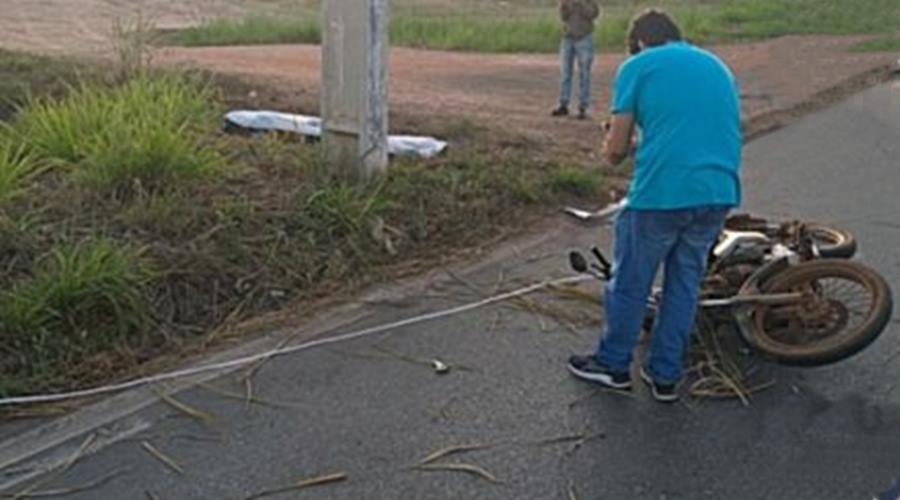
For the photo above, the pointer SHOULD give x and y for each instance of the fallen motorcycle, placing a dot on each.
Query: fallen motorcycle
(788, 287)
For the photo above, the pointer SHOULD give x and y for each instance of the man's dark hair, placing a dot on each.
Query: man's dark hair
(653, 27)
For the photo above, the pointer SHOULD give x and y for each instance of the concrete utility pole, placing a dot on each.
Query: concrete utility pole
(355, 86)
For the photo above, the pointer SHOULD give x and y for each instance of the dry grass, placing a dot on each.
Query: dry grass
(716, 369)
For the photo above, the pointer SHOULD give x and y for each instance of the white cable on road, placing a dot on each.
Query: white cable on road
(50, 398)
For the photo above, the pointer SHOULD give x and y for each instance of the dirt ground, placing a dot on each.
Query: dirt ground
(512, 94)
(516, 92)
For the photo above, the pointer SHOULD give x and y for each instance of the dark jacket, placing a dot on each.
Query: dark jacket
(579, 16)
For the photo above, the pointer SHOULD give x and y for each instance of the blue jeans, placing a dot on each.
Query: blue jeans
(644, 239)
(581, 51)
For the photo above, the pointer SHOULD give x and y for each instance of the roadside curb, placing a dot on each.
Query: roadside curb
(40, 450)
(770, 121)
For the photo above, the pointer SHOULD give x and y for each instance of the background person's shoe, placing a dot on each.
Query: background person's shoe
(560, 111)
(664, 393)
(582, 114)
(587, 368)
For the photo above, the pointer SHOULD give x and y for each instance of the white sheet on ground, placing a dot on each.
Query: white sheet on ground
(399, 145)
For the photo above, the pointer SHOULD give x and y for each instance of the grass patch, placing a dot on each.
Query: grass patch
(574, 181)
(17, 168)
(530, 29)
(81, 300)
(142, 135)
(253, 30)
(884, 44)
(477, 34)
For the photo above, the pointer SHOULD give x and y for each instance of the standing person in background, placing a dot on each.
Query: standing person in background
(577, 44)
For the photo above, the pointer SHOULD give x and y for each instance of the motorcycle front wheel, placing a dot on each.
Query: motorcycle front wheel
(844, 307)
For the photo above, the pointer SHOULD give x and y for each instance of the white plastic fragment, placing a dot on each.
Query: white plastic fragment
(311, 126)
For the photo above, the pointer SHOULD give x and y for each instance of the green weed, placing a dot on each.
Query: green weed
(17, 167)
(343, 209)
(144, 134)
(575, 181)
(81, 299)
(253, 30)
(884, 44)
(477, 34)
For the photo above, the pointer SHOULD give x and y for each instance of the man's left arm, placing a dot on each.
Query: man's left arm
(617, 142)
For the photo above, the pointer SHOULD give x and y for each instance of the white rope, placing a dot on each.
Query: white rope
(50, 398)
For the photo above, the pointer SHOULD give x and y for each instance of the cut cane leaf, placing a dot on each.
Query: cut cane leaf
(450, 450)
(461, 467)
(162, 457)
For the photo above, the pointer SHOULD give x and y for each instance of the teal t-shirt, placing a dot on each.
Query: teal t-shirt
(686, 106)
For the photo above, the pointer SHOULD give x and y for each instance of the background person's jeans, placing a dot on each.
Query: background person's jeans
(582, 52)
(644, 239)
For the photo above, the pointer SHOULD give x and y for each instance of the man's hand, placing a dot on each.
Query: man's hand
(618, 140)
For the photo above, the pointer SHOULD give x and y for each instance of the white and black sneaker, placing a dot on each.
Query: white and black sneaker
(587, 368)
(664, 393)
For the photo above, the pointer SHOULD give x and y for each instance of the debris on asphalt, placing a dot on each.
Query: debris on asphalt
(461, 467)
(571, 492)
(61, 492)
(201, 416)
(162, 457)
(716, 373)
(440, 367)
(299, 485)
(316, 481)
(578, 439)
(451, 450)
(437, 365)
(540, 309)
(248, 397)
(55, 474)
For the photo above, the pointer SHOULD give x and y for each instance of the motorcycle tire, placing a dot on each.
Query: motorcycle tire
(833, 243)
(818, 331)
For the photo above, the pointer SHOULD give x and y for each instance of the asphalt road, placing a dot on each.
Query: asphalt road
(361, 409)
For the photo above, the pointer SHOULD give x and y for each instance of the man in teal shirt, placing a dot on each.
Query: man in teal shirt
(684, 103)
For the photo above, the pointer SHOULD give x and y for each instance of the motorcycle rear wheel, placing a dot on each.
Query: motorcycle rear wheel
(846, 306)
